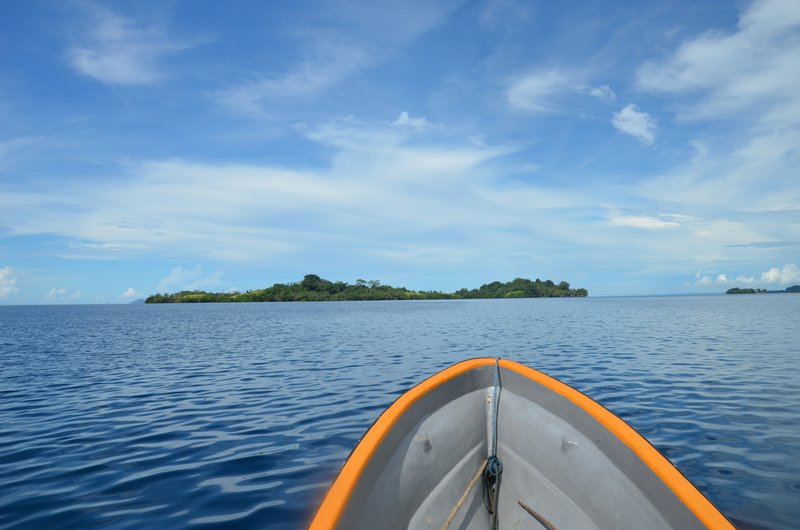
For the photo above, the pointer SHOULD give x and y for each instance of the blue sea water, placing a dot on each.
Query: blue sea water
(240, 415)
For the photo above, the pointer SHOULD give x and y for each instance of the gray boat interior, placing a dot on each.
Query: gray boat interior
(557, 459)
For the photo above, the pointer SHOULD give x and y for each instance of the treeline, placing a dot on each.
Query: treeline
(312, 288)
(750, 290)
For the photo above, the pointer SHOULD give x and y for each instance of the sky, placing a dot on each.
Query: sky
(630, 148)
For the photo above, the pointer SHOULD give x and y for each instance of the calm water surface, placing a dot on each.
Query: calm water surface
(240, 415)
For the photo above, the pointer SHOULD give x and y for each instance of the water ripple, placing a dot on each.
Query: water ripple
(239, 416)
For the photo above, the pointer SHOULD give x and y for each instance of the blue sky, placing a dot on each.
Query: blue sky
(641, 147)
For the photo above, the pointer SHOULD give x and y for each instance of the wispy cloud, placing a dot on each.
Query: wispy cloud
(636, 123)
(381, 177)
(13, 146)
(767, 244)
(744, 85)
(130, 292)
(120, 50)
(496, 13)
(8, 283)
(389, 191)
(757, 176)
(180, 279)
(753, 69)
(659, 222)
(324, 67)
(325, 55)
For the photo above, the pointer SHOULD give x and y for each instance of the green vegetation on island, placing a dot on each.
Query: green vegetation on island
(750, 290)
(314, 288)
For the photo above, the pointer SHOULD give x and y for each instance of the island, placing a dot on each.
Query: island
(750, 290)
(312, 288)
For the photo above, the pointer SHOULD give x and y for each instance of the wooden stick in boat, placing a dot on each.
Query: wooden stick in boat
(464, 496)
(536, 515)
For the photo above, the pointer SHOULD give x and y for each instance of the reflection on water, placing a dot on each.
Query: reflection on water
(240, 415)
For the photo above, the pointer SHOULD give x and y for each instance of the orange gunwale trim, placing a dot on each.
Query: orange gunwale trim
(335, 501)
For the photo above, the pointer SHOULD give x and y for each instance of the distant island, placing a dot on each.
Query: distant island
(312, 288)
(749, 290)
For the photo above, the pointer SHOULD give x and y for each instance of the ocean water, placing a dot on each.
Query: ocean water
(240, 415)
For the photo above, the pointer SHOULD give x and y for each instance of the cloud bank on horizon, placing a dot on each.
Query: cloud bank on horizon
(628, 149)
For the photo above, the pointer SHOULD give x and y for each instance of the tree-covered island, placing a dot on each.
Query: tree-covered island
(750, 290)
(313, 288)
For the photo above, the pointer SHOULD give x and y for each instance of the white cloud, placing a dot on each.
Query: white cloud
(542, 90)
(753, 68)
(636, 123)
(56, 292)
(180, 279)
(787, 274)
(8, 284)
(60, 294)
(644, 221)
(119, 50)
(536, 91)
(603, 92)
(722, 280)
(130, 292)
(705, 281)
(393, 153)
(405, 120)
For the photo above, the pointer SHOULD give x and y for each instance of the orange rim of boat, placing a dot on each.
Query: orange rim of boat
(335, 501)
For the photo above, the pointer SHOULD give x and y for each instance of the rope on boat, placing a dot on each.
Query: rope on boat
(471, 485)
(494, 467)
